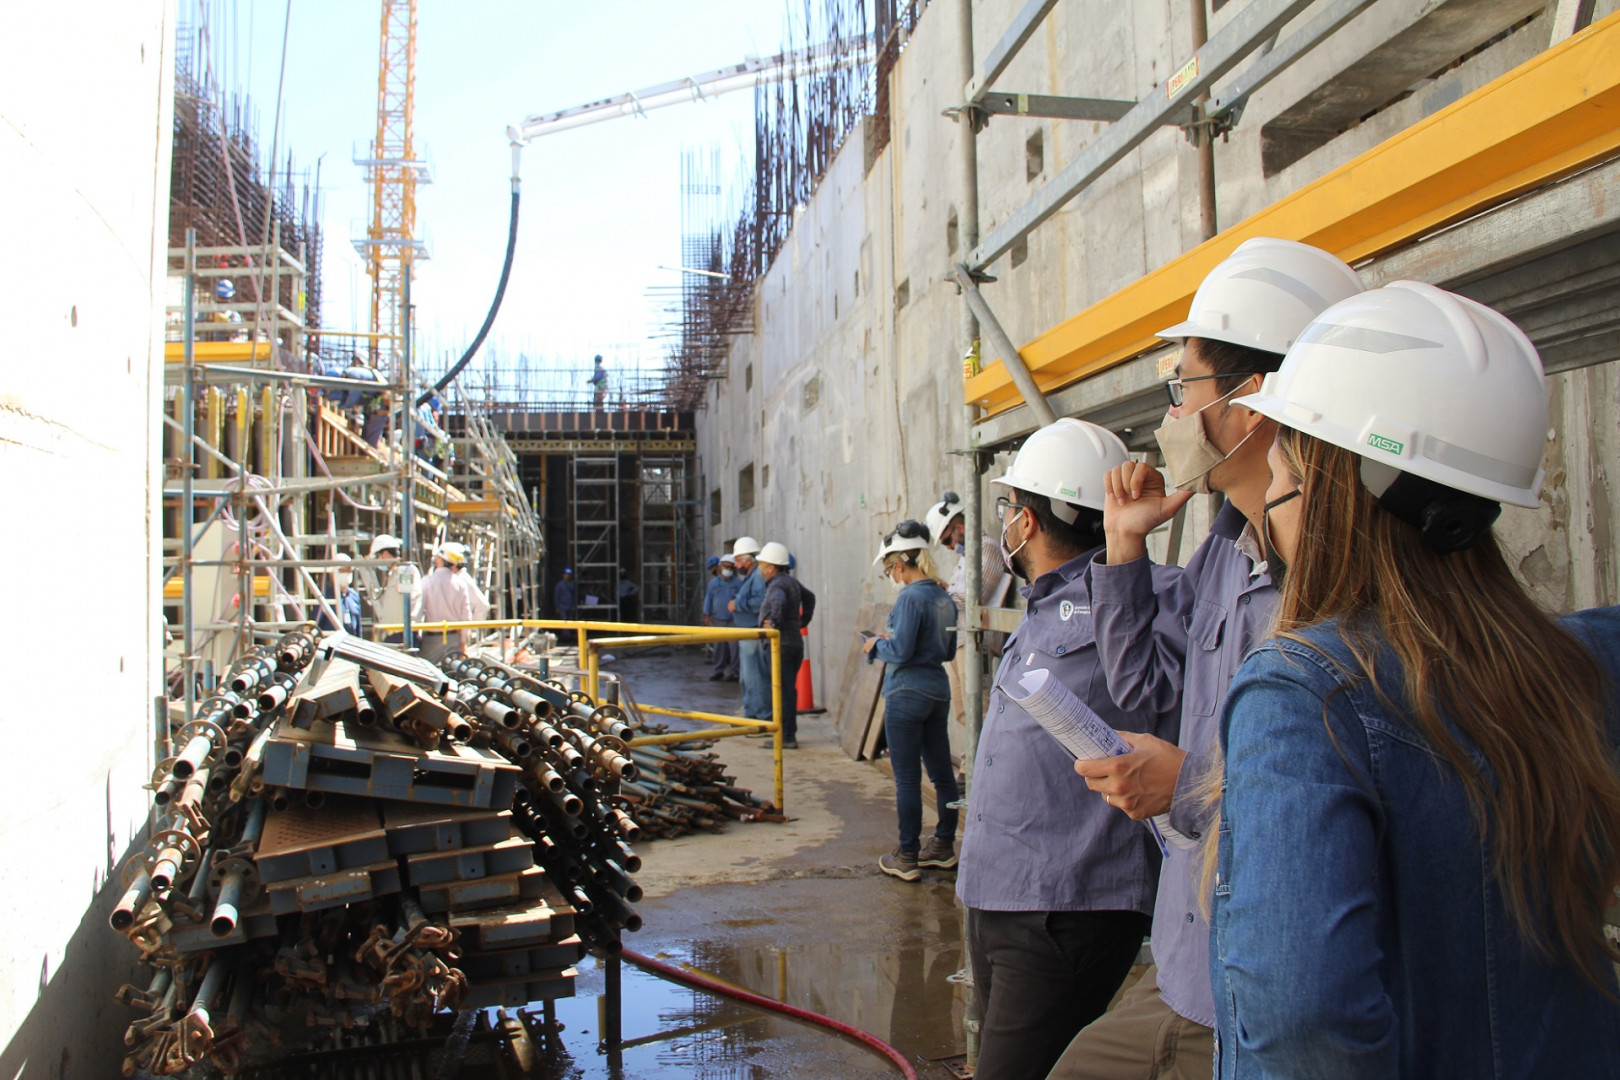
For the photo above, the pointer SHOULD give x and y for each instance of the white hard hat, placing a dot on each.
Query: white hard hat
(383, 542)
(452, 552)
(1066, 462)
(1264, 294)
(906, 536)
(341, 557)
(745, 545)
(939, 516)
(773, 553)
(1421, 381)
(728, 559)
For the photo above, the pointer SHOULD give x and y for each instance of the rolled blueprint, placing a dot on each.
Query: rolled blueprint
(1083, 734)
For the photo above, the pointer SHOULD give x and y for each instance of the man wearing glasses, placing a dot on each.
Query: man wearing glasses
(1057, 886)
(1243, 318)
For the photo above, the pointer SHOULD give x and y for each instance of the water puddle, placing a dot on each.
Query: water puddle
(901, 996)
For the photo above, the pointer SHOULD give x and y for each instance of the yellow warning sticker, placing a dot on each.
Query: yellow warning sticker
(1181, 79)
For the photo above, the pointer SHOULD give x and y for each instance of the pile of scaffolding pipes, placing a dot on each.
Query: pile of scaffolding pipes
(348, 836)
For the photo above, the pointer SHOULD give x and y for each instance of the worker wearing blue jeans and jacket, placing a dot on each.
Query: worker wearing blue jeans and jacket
(917, 699)
(754, 659)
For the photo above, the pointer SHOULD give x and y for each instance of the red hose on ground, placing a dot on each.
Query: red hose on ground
(700, 982)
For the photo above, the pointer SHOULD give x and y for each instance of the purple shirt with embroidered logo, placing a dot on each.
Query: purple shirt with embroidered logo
(1036, 838)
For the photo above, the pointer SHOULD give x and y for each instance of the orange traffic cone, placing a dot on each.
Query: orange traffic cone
(805, 684)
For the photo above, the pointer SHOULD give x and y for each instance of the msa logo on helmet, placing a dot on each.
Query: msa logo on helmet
(1383, 442)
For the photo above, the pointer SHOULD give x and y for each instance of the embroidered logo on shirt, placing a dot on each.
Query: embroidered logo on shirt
(1067, 610)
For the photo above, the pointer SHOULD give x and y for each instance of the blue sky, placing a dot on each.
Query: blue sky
(601, 205)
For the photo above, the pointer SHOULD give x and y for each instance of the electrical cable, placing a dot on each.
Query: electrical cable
(489, 320)
(712, 986)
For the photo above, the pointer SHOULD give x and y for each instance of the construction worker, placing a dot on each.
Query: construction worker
(717, 612)
(1056, 885)
(786, 607)
(448, 595)
(946, 526)
(754, 661)
(598, 382)
(1245, 315)
(629, 598)
(399, 584)
(1422, 730)
(565, 600)
(340, 587)
(914, 647)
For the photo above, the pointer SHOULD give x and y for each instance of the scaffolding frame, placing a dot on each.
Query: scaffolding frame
(594, 554)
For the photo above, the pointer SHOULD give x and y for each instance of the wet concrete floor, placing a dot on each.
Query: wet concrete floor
(796, 912)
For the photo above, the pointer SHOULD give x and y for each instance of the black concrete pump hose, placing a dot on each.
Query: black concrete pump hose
(712, 986)
(489, 320)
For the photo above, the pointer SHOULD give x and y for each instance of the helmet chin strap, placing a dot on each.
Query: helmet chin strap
(1450, 520)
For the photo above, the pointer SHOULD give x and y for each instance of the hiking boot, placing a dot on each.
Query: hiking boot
(937, 853)
(901, 864)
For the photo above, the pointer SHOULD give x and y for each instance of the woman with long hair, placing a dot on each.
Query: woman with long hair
(1420, 814)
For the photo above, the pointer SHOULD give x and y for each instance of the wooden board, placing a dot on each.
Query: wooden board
(855, 696)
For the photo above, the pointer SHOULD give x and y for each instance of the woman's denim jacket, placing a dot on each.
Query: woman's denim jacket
(920, 641)
(1357, 929)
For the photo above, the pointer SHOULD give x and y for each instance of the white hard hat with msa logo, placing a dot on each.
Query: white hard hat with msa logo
(1420, 381)
(1066, 461)
(1264, 294)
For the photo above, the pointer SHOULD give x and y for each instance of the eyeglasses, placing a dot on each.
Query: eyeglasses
(1004, 504)
(908, 530)
(1177, 395)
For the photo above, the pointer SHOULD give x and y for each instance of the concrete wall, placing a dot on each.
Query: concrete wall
(873, 449)
(85, 117)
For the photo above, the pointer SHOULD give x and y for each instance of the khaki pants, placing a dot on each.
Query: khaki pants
(1141, 1038)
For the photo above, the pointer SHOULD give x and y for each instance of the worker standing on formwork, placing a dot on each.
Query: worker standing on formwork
(1057, 886)
(449, 594)
(1245, 315)
(399, 585)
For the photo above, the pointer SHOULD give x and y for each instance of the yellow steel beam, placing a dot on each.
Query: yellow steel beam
(1554, 114)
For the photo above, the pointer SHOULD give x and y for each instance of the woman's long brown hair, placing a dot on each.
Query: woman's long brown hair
(1479, 658)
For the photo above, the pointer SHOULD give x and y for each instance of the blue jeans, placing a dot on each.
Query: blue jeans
(725, 652)
(754, 672)
(914, 727)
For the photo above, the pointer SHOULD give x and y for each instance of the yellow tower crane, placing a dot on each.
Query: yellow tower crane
(393, 170)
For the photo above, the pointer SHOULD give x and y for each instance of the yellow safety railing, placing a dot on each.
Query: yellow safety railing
(647, 635)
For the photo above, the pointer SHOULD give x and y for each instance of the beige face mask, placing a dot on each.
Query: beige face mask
(1188, 453)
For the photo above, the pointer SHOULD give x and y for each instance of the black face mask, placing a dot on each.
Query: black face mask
(1275, 566)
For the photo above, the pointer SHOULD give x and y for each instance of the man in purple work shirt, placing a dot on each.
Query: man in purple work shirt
(1244, 317)
(1057, 886)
